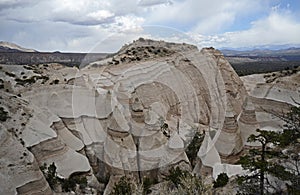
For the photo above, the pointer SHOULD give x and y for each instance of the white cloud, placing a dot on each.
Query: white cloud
(69, 25)
(153, 2)
(10, 4)
(277, 28)
(92, 18)
(101, 14)
(204, 17)
(128, 23)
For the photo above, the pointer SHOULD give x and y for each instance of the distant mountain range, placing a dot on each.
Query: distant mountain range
(262, 60)
(11, 53)
(243, 61)
(290, 54)
(11, 47)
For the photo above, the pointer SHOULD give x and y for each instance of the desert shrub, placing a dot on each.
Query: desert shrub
(66, 184)
(71, 183)
(185, 183)
(31, 80)
(3, 114)
(147, 183)
(28, 67)
(175, 176)
(221, 181)
(193, 148)
(56, 81)
(50, 174)
(10, 74)
(123, 187)
(104, 179)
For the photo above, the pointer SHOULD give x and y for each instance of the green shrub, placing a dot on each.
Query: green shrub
(31, 80)
(10, 74)
(56, 81)
(147, 183)
(66, 184)
(193, 148)
(221, 181)
(175, 176)
(123, 187)
(3, 114)
(70, 183)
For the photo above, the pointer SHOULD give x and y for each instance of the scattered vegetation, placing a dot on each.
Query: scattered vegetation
(67, 185)
(185, 183)
(221, 181)
(147, 183)
(139, 53)
(175, 176)
(3, 115)
(276, 162)
(31, 80)
(123, 187)
(247, 68)
(28, 67)
(178, 182)
(10, 74)
(56, 81)
(193, 148)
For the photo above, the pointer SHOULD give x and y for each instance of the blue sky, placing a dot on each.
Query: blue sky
(104, 26)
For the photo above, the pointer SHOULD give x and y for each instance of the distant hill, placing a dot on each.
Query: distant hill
(262, 60)
(290, 54)
(11, 53)
(244, 62)
(11, 47)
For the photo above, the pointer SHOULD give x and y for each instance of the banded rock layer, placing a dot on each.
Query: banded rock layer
(131, 114)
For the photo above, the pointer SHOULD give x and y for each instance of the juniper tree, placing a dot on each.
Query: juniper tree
(279, 162)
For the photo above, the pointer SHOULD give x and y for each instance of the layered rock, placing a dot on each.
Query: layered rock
(230, 141)
(19, 170)
(248, 121)
(272, 95)
(134, 113)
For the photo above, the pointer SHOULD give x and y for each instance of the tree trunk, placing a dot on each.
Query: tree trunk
(262, 170)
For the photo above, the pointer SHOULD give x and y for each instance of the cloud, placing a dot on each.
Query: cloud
(277, 28)
(11, 4)
(204, 17)
(153, 2)
(92, 18)
(69, 25)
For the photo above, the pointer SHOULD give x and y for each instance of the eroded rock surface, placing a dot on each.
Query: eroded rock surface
(131, 114)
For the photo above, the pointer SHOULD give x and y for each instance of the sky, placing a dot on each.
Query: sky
(104, 26)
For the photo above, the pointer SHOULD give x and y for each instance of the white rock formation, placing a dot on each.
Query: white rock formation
(134, 113)
(272, 95)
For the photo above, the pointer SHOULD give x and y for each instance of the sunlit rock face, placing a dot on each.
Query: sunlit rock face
(271, 95)
(131, 114)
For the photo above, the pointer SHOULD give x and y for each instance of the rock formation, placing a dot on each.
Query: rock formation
(133, 113)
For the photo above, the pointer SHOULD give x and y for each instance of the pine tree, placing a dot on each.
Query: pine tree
(279, 162)
(257, 161)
